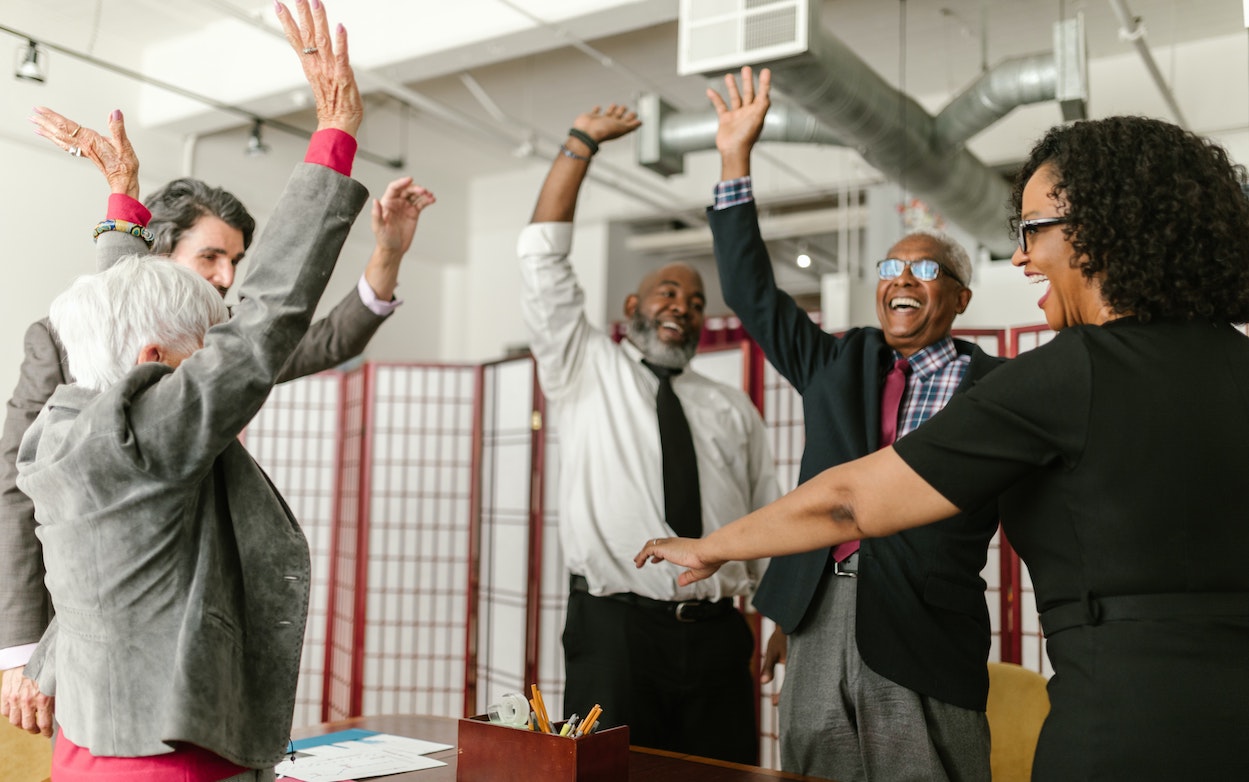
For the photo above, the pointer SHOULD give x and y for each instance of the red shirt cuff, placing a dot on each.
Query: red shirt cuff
(332, 148)
(123, 207)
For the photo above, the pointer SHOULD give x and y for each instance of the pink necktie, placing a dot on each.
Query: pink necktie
(890, 402)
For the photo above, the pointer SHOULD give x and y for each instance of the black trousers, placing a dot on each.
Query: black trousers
(679, 686)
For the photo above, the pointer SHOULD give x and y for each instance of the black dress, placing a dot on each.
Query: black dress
(1121, 455)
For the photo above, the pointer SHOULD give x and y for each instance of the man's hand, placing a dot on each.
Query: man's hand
(686, 552)
(113, 156)
(603, 126)
(774, 653)
(396, 213)
(741, 120)
(23, 704)
(394, 220)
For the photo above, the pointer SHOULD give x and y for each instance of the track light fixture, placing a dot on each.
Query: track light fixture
(30, 66)
(255, 145)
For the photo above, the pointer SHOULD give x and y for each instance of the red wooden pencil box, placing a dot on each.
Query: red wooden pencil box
(489, 753)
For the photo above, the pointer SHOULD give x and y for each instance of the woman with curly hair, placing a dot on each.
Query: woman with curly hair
(1117, 454)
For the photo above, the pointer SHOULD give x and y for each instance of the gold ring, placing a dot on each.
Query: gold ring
(76, 129)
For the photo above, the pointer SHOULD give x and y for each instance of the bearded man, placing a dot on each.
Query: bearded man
(648, 448)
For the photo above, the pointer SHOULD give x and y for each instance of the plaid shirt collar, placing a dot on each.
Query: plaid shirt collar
(936, 372)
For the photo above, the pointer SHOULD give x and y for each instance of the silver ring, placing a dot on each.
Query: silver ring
(310, 50)
(75, 151)
(76, 129)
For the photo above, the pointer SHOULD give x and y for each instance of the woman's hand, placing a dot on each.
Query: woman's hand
(686, 552)
(113, 155)
(326, 65)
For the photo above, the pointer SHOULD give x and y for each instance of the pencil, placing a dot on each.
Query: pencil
(540, 707)
(588, 723)
(537, 716)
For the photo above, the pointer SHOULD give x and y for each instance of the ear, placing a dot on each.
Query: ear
(151, 354)
(630, 305)
(964, 298)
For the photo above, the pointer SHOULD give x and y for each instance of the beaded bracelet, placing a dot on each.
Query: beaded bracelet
(569, 153)
(134, 229)
(584, 138)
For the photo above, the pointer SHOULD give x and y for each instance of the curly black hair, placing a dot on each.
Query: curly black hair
(1158, 213)
(180, 204)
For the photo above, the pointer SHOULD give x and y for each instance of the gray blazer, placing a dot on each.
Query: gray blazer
(179, 575)
(25, 609)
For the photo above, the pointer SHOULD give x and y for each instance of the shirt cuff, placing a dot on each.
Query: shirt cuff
(332, 148)
(123, 207)
(16, 656)
(733, 192)
(369, 298)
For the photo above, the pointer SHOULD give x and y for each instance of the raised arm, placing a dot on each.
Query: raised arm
(124, 231)
(222, 385)
(557, 202)
(345, 332)
(792, 342)
(740, 120)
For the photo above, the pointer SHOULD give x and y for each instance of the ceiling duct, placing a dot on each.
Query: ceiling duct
(856, 106)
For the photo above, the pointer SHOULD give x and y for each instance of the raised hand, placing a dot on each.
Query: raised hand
(395, 214)
(113, 155)
(741, 119)
(326, 65)
(686, 552)
(602, 126)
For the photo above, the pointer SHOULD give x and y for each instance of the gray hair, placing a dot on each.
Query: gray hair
(954, 255)
(105, 320)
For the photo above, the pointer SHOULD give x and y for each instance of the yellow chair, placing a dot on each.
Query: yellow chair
(27, 757)
(1017, 706)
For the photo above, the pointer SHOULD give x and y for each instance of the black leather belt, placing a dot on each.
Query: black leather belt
(681, 610)
(1186, 605)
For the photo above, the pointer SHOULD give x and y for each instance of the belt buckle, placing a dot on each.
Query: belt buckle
(837, 571)
(680, 610)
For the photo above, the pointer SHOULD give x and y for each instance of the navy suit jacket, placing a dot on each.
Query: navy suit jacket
(921, 620)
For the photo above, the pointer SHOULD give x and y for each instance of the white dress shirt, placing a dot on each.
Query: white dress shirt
(610, 463)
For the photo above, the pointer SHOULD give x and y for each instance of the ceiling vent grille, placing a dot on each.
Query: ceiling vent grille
(719, 35)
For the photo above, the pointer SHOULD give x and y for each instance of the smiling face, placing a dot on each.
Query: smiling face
(211, 248)
(666, 315)
(914, 313)
(1070, 298)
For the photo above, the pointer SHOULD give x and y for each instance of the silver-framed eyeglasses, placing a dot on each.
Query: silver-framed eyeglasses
(925, 269)
(1030, 227)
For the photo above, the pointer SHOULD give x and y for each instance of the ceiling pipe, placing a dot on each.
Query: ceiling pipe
(666, 136)
(892, 132)
(1131, 29)
(897, 136)
(1019, 81)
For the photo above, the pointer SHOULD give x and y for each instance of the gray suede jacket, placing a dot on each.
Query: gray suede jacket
(179, 575)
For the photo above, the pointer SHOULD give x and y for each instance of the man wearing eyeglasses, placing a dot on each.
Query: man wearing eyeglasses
(887, 644)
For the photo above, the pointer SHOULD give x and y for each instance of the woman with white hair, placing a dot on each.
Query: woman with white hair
(178, 575)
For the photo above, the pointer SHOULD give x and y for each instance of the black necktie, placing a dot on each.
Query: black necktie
(682, 500)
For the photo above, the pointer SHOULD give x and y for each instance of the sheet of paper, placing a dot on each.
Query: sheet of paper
(361, 755)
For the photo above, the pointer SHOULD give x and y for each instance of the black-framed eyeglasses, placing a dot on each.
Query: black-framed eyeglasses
(1029, 227)
(924, 269)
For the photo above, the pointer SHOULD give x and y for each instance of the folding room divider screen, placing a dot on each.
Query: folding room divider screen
(428, 495)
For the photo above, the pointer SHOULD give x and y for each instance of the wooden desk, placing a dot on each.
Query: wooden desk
(650, 765)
